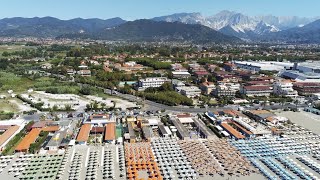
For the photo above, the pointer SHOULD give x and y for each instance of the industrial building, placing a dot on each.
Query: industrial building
(304, 72)
(263, 65)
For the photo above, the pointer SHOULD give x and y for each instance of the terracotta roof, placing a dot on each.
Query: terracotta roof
(28, 139)
(270, 119)
(201, 73)
(110, 132)
(184, 115)
(233, 113)
(51, 128)
(83, 134)
(231, 130)
(7, 134)
(260, 112)
(306, 84)
(242, 128)
(97, 130)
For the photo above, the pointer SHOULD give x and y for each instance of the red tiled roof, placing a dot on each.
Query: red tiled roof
(97, 130)
(231, 130)
(201, 73)
(110, 132)
(184, 115)
(28, 139)
(242, 128)
(51, 128)
(84, 133)
(306, 84)
(7, 134)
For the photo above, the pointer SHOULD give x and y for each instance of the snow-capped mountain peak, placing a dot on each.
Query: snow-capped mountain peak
(239, 23)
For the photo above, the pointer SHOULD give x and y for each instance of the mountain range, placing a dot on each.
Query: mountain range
(240, 25)
(153, 31)
(225, 26)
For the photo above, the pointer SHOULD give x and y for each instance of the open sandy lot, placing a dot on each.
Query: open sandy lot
(304, 119)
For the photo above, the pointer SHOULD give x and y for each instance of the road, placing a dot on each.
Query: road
(159, 106)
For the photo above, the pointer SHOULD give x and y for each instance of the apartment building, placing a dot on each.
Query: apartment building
(190, 91)
(284, 88)
(306, 88)
(256, 90)
(142, 84)
(207, 87)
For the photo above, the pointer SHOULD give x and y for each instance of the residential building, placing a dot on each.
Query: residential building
(151, 82)
(284, 88)
(201, 74)
(129, 66)
(226, 89)
(190, 91)
(207, 87)
(306, 88)
(228, 66)
(178, 67)
(84, 72)
(181, 74)
(256, 90)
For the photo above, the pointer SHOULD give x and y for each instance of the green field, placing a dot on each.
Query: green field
(11, 81)
(12, 48)
(6, 106)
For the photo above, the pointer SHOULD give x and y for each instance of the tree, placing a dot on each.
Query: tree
(5, 54)
(67, 107)
(95, 105)
(85, 90)
(88, 107)
(103, 105)
(167, 86)
(55, 108)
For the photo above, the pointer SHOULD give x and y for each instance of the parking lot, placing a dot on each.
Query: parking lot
(302, 118)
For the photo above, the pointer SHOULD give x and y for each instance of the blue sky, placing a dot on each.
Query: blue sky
(137, 9)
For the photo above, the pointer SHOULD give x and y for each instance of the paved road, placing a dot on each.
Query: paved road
(192, 110)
